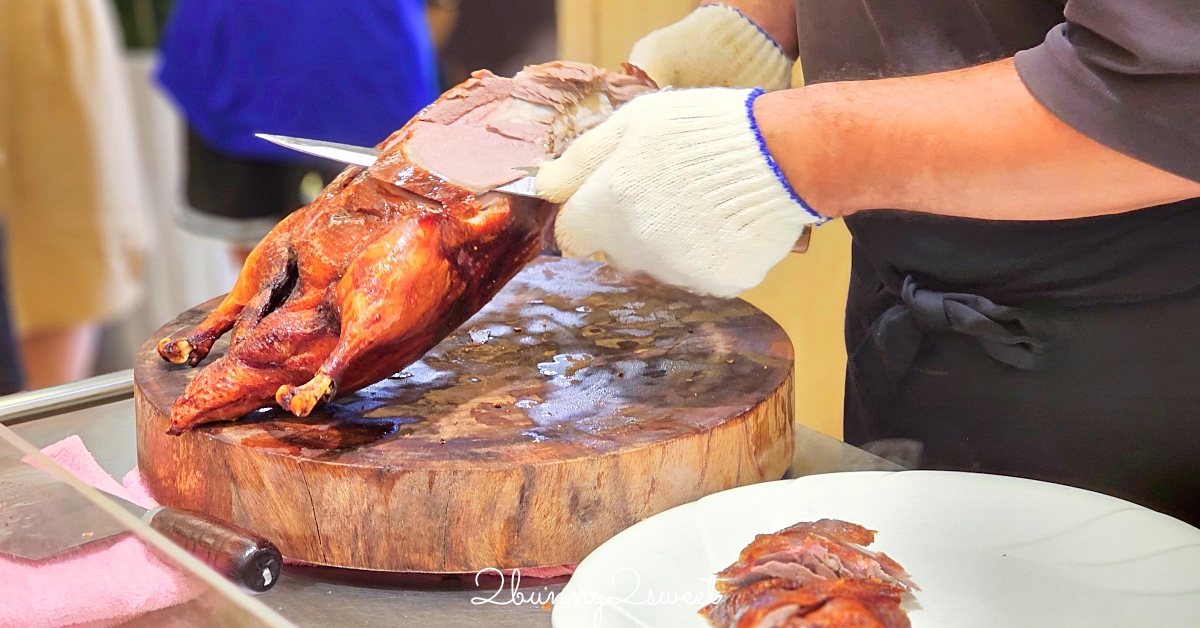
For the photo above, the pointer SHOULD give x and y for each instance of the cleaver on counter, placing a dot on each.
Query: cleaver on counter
(42, 518)
(363, 156)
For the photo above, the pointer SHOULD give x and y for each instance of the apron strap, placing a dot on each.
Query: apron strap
(1006, 334)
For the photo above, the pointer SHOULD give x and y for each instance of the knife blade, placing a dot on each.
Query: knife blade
(363, 156)
(42, 518)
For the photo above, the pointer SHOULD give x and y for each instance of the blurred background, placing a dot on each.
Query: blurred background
(129, 191)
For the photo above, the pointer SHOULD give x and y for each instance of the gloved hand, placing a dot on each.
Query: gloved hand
(715, 45)
(678, 184)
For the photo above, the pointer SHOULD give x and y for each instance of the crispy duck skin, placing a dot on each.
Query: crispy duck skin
(391, 259)
(843, 612)
(846, 602)
(811, 575)
(811, 552)
(725, 611)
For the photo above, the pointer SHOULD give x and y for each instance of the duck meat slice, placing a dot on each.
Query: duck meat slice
(782, 604)
(809, 552)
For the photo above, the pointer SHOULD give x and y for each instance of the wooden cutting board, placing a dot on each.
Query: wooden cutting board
(577, 403)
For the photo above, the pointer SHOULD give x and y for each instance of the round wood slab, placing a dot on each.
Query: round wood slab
(577, 403)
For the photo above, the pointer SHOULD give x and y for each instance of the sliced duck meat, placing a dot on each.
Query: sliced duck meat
(806, 552)
(846, 603)
(812, 575)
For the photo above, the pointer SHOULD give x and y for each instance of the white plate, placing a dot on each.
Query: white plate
(985, 550)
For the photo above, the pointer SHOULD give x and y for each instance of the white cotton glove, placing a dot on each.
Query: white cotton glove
(678, 185)
(714, 45)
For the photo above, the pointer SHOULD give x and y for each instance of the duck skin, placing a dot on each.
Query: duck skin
(811, 575)
(842, 603)
(391, 259)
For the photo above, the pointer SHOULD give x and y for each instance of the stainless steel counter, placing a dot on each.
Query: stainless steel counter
(334, 597)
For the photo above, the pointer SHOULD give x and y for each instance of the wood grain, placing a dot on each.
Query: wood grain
(577, 403)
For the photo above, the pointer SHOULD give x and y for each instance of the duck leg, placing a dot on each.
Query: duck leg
(393, 291)
(285, 348)
(266, 266)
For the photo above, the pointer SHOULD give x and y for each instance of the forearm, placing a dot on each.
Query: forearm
(777, 18)
(971, 143)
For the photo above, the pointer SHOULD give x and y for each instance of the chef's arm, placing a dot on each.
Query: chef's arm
(972, 143)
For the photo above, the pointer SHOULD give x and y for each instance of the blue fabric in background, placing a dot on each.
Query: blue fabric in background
(345, 71)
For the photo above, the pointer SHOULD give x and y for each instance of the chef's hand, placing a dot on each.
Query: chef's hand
(715, 45)
(678, 184)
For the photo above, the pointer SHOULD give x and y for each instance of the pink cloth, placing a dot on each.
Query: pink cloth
(100, 586)
(546, 572)
(111, 582)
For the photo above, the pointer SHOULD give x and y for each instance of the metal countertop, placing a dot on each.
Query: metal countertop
(335, 597)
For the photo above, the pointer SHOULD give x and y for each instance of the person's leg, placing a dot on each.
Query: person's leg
(75, 204)
(59, 355)
(12, 373)
(239, 199)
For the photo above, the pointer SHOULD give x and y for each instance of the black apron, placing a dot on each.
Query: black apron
(1066, 351)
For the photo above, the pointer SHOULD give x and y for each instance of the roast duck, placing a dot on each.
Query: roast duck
(811, 575)
(391, 259)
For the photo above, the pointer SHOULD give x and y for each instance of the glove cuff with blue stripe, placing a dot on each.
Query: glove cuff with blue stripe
(678, 184)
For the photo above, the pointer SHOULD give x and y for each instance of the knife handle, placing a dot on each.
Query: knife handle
(240, 555)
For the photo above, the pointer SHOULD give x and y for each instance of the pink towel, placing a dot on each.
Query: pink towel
(545, 572)
(100, 586)
(111, 583)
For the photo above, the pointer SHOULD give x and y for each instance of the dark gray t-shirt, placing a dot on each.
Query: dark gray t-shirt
(1126, 73)
(1116, 297)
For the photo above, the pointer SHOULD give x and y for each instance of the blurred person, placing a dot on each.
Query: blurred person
(502, 37)
(349, 72)
(443, 20)
(71, 187)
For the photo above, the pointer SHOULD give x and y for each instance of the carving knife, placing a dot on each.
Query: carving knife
(361, 156)
(42, 518)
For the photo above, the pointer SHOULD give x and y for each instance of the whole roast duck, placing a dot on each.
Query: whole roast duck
(391, 259)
